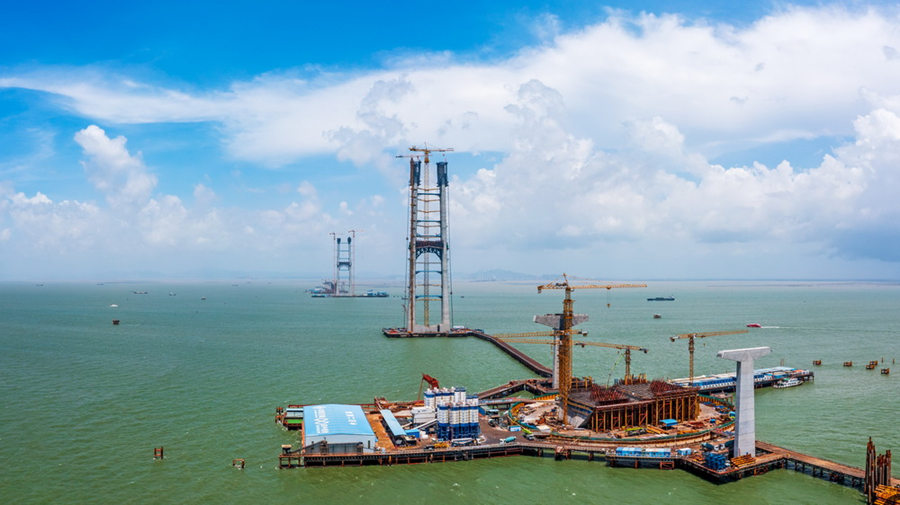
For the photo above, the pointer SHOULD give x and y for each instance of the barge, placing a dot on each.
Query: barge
(763, 377)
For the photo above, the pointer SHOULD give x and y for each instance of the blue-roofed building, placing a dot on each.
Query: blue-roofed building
(342, 428)
(397, 432)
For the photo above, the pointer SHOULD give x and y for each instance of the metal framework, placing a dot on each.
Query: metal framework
(692, 336)
(529, 338)
(428, 278)
(564, 349)
(681, 406)
(344, 257)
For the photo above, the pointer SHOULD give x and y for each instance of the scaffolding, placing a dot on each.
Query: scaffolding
(342, 274)
(428, 277)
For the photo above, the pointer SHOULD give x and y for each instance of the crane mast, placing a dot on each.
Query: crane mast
(564, 347)
(692, 336)
(529, 338)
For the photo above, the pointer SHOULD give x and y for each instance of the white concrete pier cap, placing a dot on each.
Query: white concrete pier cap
(749, 353)
(745, 422)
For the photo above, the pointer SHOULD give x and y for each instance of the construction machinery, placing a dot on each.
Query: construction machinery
(527, 338)
(692, 336)
(432, 383)
(565, 331)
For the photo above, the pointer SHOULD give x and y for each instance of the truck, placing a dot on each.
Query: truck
(508, 440)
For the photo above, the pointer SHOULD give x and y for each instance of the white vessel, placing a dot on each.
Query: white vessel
(788, 383)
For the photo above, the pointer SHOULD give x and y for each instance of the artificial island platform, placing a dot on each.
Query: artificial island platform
(702, 452)
(635, 423)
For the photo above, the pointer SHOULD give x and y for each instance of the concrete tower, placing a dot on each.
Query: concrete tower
(428, 279)
(745, 422)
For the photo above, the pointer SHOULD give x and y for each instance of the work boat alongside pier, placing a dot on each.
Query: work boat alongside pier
(788, 383)
(763, 377)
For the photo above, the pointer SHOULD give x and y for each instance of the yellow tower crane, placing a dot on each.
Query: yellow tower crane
(525, 338)
(692, 336)
(428, 150)
(564, 351)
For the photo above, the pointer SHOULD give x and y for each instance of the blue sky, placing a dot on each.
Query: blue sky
(618, 140)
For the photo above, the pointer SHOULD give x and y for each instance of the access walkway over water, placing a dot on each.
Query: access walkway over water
(529, 362)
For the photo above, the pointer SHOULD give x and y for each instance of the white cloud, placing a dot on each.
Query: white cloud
(721, 85)
(307, 190)
(123, 178)
(604, 137)
(137, 232)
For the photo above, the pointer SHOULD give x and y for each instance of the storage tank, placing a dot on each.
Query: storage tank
(454, 418)
(443, 419)
(429, 398)
(460, 395)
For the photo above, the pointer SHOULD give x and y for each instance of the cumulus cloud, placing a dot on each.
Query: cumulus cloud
(123, 178)
(721, 85)
(136, 230)
(558, 191)
(604, 136)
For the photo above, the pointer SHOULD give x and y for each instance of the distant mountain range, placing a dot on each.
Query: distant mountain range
(499, 275)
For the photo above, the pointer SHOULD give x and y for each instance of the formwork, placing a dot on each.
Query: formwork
(624, 405)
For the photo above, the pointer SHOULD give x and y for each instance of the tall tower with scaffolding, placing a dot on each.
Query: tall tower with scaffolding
(342, 275)
(428, 279)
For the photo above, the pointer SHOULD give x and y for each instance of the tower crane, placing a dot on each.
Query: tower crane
(428, 150)
(564, 348)
(527, 338)
(692, 336)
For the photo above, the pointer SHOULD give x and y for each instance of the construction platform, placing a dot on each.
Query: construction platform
(769, 457)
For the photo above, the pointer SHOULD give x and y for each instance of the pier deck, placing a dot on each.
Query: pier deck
(534, 386)
(769, 457)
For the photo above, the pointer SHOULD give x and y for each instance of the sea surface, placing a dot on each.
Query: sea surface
(201, 370)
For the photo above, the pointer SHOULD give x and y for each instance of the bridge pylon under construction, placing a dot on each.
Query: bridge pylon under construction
(428, 283)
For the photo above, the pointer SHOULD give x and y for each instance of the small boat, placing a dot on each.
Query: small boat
(754, 325)
(139, 292)
(787, 383)
(661, 299)
(113, 306)
(657, 316)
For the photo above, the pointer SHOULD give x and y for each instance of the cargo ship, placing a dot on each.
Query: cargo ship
(661, 299)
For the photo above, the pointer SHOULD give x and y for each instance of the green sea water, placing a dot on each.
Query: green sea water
(85, 402)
